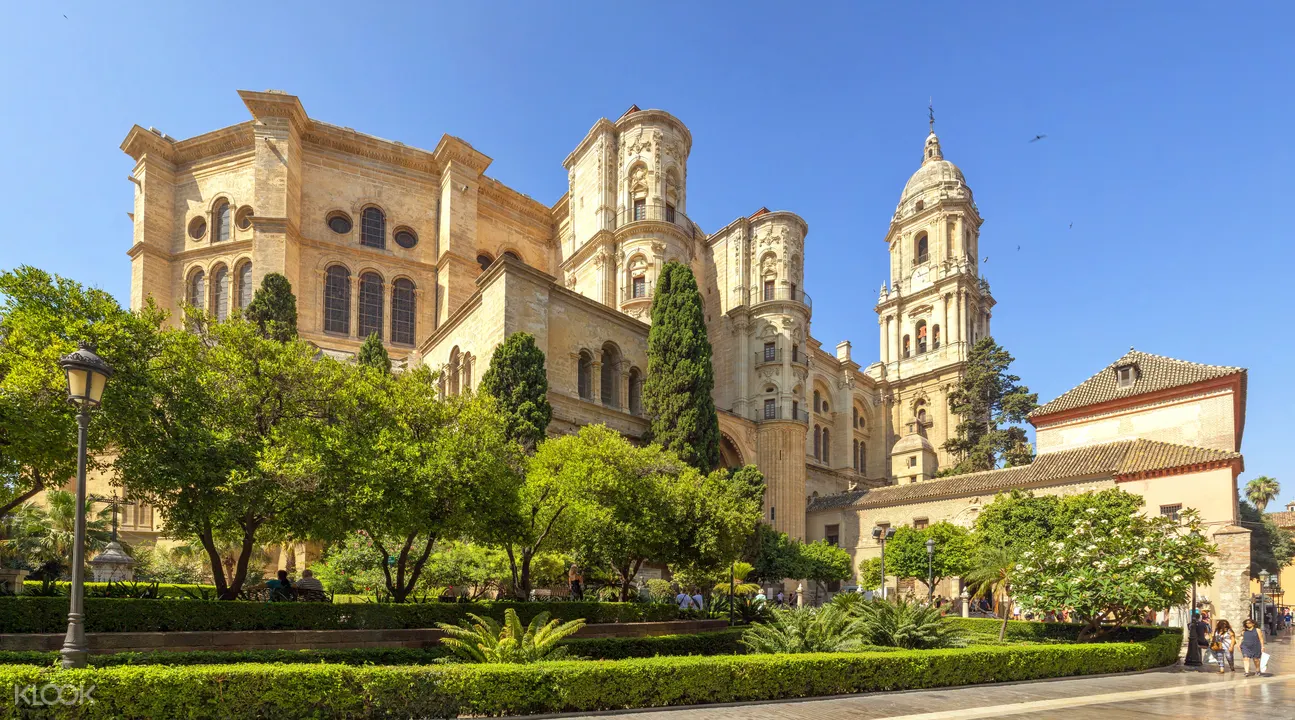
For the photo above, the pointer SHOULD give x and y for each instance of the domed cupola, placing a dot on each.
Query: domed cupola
(937, 178)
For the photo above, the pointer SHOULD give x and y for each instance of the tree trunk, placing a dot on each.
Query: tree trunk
(217, 564)
(37, 486)
(244, 556)
(1007, 613)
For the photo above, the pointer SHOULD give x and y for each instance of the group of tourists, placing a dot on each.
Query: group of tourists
(1222, 642)
(282, 587)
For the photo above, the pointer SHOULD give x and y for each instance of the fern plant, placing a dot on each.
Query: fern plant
(485, 640)
(905, 624)
(806, 630)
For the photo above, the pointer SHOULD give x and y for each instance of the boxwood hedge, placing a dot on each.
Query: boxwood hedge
(49, 614)
(723, 642)
(984, 631)
(340, 691)
(166, 590)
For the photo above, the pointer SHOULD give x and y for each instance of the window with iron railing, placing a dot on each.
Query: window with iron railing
(669, 213)
(768, 289)
(770, 409)
(640, 286)
(770, 352)
(640, 209)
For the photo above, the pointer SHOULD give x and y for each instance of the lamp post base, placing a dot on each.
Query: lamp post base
(75, 651)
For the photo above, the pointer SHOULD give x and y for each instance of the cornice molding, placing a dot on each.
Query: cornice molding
(500, 194)
(459, 152)
(349, 142)
(140, 142)
(264, 105)
(602, 125)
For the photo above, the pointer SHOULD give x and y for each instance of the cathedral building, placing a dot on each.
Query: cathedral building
(443, 262)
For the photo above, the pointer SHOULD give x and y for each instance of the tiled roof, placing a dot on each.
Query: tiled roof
(1117, 459)
(1154, 372)
(1284, 519)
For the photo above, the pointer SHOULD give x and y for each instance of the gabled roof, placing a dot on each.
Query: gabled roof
(1152, 372)
(1284, 519)
(1122, 460)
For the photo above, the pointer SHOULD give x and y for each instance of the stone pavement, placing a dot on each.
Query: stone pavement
(1170, 693)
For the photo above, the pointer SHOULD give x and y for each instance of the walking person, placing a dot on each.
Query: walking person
(576, 580)
(1221, 645)
(1252, 646)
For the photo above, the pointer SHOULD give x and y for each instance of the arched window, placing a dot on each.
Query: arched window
(827, 447)
(373, 228)
(485, 261)
(818, 402)
(244, 285)
(220, 225)
(636, 392)
(854, 455)
(921, 337)
(863, 458)
(818, 443)
(452, 370)
(467, 372)
(854, 416)
(198, 289)
(220, 292)
(584, 376)
(610, 385)
(907, 347)
(935, 337)
(921, 248)
(920, 411)
(402, 312)
(513, 255)
(371, 296)
(337, 300)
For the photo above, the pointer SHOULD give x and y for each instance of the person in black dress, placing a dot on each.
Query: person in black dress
(1252, 646)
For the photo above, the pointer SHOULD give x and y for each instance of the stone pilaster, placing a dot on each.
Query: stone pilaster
(1230, 591)
(781, 457)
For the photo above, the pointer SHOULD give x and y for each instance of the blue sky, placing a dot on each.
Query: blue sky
(1168, 141)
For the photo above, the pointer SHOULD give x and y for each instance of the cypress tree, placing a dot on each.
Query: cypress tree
(274, 308)
(373, 354)
(680, 377)
(516, 378)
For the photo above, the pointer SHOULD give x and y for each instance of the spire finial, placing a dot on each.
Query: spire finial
(930, 108)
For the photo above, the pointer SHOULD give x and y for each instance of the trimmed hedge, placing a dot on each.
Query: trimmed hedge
(166, 590)
(984, 631)
(338, 691)
(49, 615)
(723, 642)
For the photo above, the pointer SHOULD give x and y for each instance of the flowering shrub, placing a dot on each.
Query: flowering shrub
(1113, 567)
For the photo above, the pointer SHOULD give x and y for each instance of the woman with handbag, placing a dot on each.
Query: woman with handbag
(1252, 646)
(1221, 644)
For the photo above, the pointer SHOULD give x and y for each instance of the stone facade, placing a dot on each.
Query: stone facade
(443, 262)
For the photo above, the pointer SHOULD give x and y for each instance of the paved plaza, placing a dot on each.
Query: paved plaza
(1170, 693)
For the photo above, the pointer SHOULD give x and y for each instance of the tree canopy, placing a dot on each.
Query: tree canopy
(1017, 520)
(518, 381)
(680, 377)
(372, 354)
(274, 308)
(1262, 490)
(42, 318)
(986, 398)
(906, 555)
(1271, 547)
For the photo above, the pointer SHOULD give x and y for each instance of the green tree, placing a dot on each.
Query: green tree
(822, 562)
(518, 381)
(1271, 547)
(410, 469)
(42, 318)
(680, 377)
(274, 308)
(870, 574)
(774, 556)
(1017, 520)
(1262, 490)
(1110, 567)
(42, 536)
(208, 437)
(476, 569)
(985, 398)
(992, 571)
(373, 355)
(713, 515)
(634, 499)
(906, 554)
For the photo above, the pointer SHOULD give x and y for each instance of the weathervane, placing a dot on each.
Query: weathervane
(931, 110)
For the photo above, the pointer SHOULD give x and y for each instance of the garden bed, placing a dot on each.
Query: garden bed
(111, 615)
(341, 691)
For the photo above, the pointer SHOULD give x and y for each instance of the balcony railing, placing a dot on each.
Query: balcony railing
(760, 294)
(922, 259)
(768, 355)
(654, 212)
(641, 291)
(779, 411)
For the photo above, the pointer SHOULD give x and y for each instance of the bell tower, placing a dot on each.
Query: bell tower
(935, 305)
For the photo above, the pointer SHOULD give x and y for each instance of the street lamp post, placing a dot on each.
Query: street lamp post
(1263, 580)
(1193, 657)
(883, 534)
(87, 374)
(930, 571)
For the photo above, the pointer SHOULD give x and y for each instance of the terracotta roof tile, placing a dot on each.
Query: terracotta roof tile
(1284, 519)
(1117, 459)
(1154, 372)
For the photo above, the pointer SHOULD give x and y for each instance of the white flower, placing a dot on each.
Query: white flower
(1178, 578)
(1143, 552)
(1091, 511)
(1019, 567)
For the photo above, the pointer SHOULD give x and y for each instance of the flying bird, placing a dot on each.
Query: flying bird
(1018, 248)
(1038, 138)
(986, 258)
(1072, 226)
